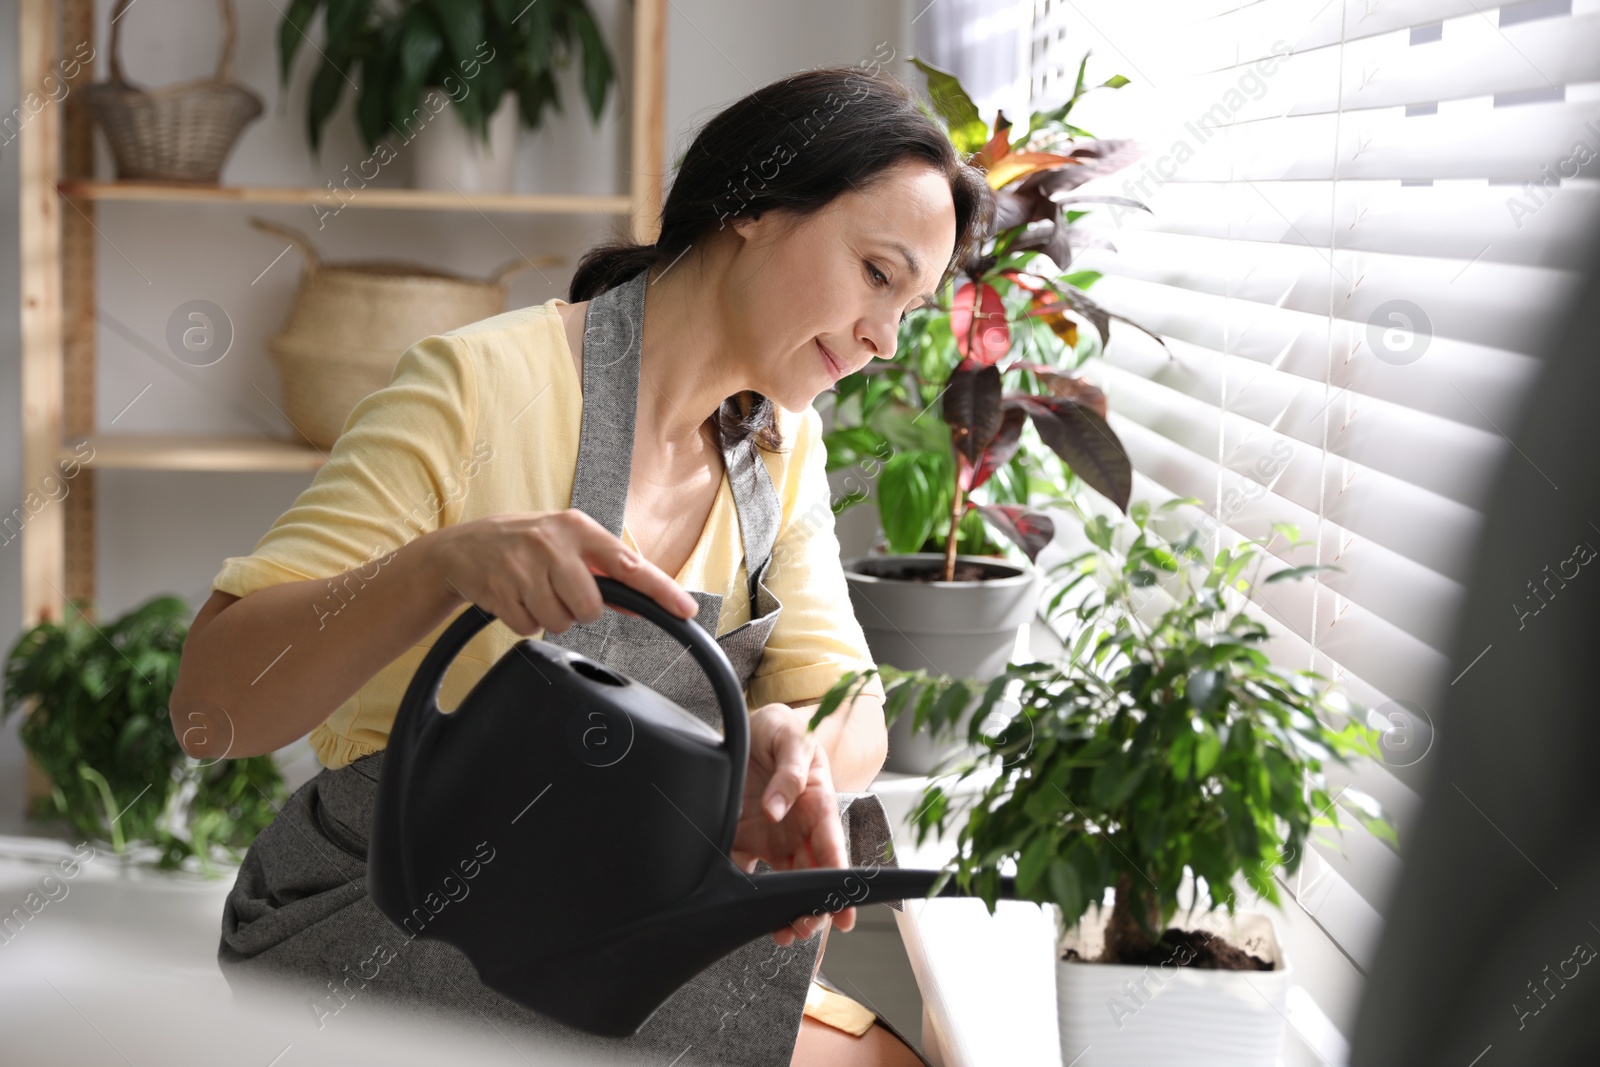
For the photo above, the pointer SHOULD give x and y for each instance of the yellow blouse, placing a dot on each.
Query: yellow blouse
(483, 420)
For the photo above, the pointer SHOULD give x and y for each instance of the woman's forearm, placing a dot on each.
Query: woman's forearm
(856, 740)
(261, 671)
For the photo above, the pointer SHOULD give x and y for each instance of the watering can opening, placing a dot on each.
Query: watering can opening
(569, 828)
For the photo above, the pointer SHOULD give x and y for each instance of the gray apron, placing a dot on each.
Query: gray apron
(299, 907)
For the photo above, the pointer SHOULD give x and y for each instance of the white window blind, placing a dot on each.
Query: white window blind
(1365, 217)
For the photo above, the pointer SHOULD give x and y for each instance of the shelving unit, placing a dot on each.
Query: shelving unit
(58, 194)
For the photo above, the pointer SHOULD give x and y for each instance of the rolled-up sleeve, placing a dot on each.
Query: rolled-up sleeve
(399, 469)
(817, 638)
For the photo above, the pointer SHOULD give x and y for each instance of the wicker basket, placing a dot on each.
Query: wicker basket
(178, 133)
(351, 321)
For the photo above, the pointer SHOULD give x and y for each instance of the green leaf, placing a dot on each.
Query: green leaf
(462, 26)
(1207, 750)
(1036, 859)
(326, 88)
(1181, 755)
(966, 128)
(910, 499)
(291, 32)
(1293, 573)
(1098, 531)
(1066, 887)
(597, 74)
(1116, 81)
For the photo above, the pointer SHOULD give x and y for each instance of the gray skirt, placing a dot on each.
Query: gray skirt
(299, 913)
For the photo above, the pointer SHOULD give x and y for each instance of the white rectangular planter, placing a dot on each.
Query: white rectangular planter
(1113, 1015)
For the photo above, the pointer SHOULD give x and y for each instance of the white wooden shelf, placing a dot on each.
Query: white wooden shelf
(404, 199)
(185, 452)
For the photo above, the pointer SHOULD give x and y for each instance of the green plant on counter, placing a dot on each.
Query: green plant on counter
(485, 48)
(99, 727)
(1165, 745)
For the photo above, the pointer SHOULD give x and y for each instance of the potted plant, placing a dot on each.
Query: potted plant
(470, 55)
(99, 727)
(945, 599)
(1165, 759)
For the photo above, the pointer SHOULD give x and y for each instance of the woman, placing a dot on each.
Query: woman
(656, 428)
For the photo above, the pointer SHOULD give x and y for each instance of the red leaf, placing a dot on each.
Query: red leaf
(1027, 281)
(1029, 530)
(1066, 385)
(972, 407)
(984, 336)
(999, 145)
(1001, 448)
(1076, 432)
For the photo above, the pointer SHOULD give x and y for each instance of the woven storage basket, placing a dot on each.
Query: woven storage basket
(179, 133)
(351, 321)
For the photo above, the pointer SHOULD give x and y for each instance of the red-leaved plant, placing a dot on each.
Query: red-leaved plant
(1012, 309)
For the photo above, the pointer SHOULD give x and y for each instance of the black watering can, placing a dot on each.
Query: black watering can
(568, 829)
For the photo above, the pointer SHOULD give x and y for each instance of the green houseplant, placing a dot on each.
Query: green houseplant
(944, 426)
(487, 47)
(1166, 754)
(99, 727)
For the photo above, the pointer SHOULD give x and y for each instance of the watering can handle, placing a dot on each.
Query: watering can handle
(422, 695)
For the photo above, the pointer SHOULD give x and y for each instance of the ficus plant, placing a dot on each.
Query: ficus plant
(100, 729)
(1010, 314)
(1164, 747)
(476, 50)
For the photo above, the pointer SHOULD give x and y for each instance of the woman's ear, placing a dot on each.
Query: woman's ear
(747, 226)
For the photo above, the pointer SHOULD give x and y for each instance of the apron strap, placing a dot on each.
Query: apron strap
(760, 512)
(611, 343)
(612, 338)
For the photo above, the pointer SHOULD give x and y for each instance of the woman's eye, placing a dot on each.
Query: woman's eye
(878, 277)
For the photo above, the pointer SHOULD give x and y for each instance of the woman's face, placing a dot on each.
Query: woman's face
(820, 297)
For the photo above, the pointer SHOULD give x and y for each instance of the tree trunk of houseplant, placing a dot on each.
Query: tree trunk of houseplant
(1125, 938)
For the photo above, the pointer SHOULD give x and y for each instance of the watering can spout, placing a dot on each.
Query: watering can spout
(646, 893)
(684, 941)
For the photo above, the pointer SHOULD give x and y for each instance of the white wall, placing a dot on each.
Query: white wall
(169, 532)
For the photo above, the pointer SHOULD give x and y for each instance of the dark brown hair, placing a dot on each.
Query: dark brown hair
(793, 146)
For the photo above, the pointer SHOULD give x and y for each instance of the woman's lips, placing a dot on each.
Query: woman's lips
(836, 369)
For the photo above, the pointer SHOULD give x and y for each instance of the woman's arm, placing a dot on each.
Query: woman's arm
(261, 671)
(855, 737)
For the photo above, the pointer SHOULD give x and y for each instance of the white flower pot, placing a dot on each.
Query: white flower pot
(1113, 1015)
(449, 157)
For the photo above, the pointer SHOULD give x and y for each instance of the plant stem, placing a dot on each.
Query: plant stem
(96, 779)
(957, 502)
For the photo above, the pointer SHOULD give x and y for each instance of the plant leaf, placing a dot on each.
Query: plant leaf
(1020, 164)
(1030, 531)
(1085, 443)
(1001, 447)
(952, 104)
(971, 407)
(983, 335)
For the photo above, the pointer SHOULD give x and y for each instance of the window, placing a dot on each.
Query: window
(1363, 215)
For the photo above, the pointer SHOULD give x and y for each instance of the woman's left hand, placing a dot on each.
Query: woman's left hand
(790, 816)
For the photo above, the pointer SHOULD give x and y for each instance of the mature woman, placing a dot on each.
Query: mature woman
(657, 428)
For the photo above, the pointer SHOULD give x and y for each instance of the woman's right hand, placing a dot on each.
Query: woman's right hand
(535, 569)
